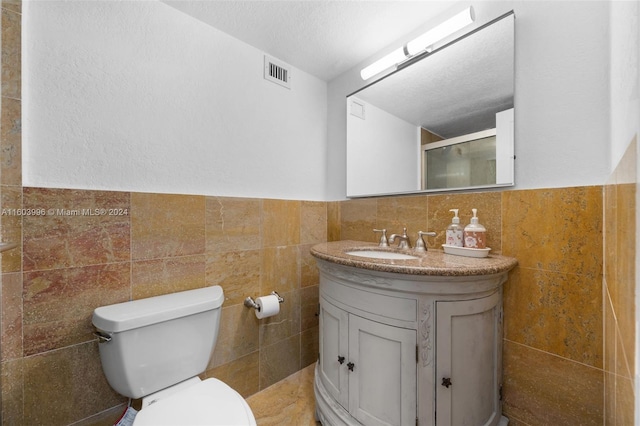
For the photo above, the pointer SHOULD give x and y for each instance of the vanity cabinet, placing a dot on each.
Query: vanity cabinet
(409, 349)
(368, 367)
(469, 359)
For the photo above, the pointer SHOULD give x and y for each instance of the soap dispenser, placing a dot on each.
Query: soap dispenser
(475, 235)
(455, 231)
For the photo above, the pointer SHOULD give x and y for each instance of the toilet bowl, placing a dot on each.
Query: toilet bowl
(208, 402)
(155, 348)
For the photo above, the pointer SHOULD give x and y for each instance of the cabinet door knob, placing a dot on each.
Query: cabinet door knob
(350, 366)
(446, 382)
(340, 359)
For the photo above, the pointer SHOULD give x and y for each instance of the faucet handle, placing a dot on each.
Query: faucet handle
(420, 245)
(383, 238)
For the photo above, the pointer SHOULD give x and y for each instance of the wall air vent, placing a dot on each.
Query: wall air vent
(277, 72)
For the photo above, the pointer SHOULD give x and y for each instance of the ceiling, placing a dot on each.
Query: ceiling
(324, 38)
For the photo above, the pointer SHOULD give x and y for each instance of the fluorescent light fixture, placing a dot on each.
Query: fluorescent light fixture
(383, 63)
(434, 35)
(421, 43)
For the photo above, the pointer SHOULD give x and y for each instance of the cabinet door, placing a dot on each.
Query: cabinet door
(382, 385)
(334, 351)
(468, 338)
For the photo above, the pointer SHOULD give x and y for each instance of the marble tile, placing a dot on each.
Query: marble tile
(625, 265)
(242, 374)
(309, 346)
(625, 400)
(11, 384)
(313, 222)
(543, 389)
(65, 386)
(11, 142)
(289, 402)
(555, 312)
(609, 336)
(489, 213)
(237, 272)
(283, 325)
(609, 416)
(13, 5)
(358, 219)
(279, 360)
(11, 54)
(280, 269)
(11, 319)
(233, 224)
(309, 307)
(333, 221)
(309, 273)
(609, 362)
(77, 230)
(50, 321)
(396, 213)
(169, 275)
(610, 232)
(166, 225)
(621, 395)
(623, 364)
(238, 335)
(104, 418)
(11, 199)
(280, 222)
(554, 229)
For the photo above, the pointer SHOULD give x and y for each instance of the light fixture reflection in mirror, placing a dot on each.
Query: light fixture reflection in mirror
(421, 43)
(457, 90)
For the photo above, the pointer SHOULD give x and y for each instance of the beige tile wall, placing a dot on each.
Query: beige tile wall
(159, 244)
(619, 290)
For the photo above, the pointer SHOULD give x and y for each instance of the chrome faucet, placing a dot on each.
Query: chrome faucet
(420, 245)
(404, 243)
(383, 238)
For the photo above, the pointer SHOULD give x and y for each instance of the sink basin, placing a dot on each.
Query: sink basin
(376, 254)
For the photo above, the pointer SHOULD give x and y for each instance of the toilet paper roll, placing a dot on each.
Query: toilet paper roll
(268, 306)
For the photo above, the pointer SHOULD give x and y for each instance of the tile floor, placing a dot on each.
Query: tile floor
(289, 402)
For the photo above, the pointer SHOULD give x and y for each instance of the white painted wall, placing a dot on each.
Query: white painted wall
(137, 96)
(386, 143)
(562, 93)
(624, 67)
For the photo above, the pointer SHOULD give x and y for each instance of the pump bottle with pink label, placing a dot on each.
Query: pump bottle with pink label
(455, 231)
(475, 235)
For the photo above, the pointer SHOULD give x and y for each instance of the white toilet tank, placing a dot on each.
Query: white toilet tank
(159, 341)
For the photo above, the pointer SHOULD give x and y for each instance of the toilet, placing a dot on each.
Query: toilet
(155, 348)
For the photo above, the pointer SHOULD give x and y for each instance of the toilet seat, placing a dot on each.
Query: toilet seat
(209, 402)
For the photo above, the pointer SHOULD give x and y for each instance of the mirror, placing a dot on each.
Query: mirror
(423, 127)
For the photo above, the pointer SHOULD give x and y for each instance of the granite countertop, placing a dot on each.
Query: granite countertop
(432, 262)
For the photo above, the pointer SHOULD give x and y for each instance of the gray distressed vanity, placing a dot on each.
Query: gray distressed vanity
(414, 341)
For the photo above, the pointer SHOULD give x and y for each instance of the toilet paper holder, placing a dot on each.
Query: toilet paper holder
(250, 303)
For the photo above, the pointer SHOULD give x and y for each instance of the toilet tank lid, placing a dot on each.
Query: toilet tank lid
(142, 312)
